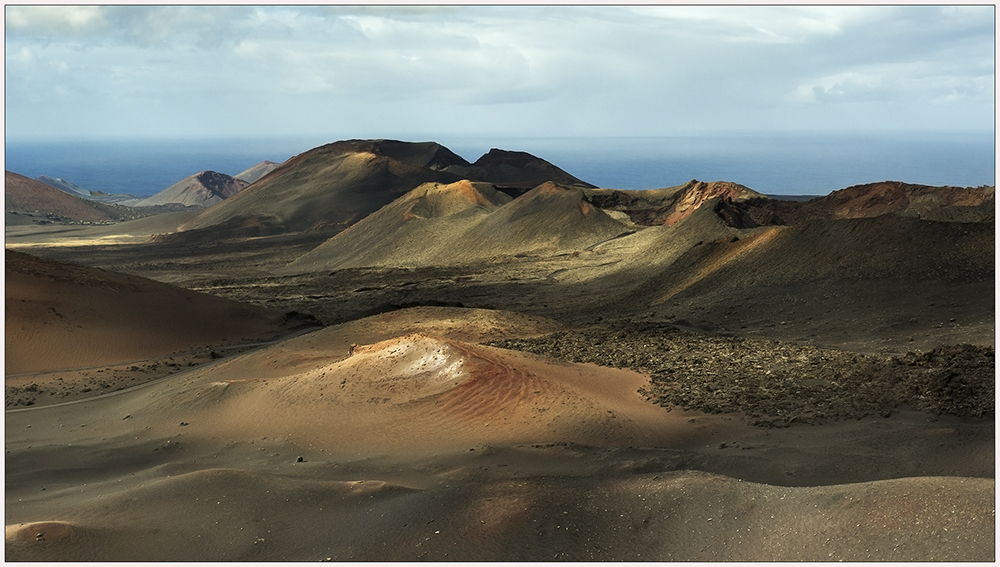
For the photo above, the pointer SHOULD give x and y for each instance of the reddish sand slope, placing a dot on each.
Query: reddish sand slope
(389, 395)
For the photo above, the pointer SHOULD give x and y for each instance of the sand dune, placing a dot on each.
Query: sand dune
(386, 397)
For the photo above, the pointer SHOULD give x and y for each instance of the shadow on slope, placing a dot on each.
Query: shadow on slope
(333, 186)
(390, 451)
(61, 316)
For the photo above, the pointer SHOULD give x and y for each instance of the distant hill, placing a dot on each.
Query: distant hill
(882, 256)
(27, 201)
(895, 198)
(965, 204)
(652, 207)
(77, 191)
(200, 190)
(516, 170)
(256, 172)
(326, 188)
(65, 186)
(334, 186)
(742, 207)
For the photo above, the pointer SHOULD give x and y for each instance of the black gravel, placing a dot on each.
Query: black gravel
(778, 383)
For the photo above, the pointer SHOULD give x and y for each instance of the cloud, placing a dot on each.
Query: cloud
(55, 20)
(910, 82)
(759, 24)
(847, 87)
(638, 70)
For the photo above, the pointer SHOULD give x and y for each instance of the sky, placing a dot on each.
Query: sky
(421, 72)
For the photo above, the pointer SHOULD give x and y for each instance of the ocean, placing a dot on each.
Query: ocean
(774, 164)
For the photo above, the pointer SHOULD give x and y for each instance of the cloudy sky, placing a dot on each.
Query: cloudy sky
(421, 72)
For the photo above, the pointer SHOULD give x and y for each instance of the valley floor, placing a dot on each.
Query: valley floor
(516, 411)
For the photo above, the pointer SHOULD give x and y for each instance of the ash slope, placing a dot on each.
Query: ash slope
(880, 266)
(463, 222)
(892, 265)
(59, 316)
(408, 443)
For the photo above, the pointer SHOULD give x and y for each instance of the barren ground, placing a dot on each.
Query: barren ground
(543, 420)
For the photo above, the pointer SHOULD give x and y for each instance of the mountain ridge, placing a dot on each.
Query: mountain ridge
(332, 186)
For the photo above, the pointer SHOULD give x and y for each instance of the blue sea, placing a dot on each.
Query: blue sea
(774, 164)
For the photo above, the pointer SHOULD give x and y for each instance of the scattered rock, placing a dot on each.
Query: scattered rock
(777, 383)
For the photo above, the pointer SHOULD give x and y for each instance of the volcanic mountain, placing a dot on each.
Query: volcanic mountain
(334, 186)
(549, 219)
(199, 190)
(962, 204)
(254, 174)
(887, 257)
(465, 222)
(690, 251)
(517, 171)
(27, 200)
(409, 231)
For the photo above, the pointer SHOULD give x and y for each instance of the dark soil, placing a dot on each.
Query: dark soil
(777, 383)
